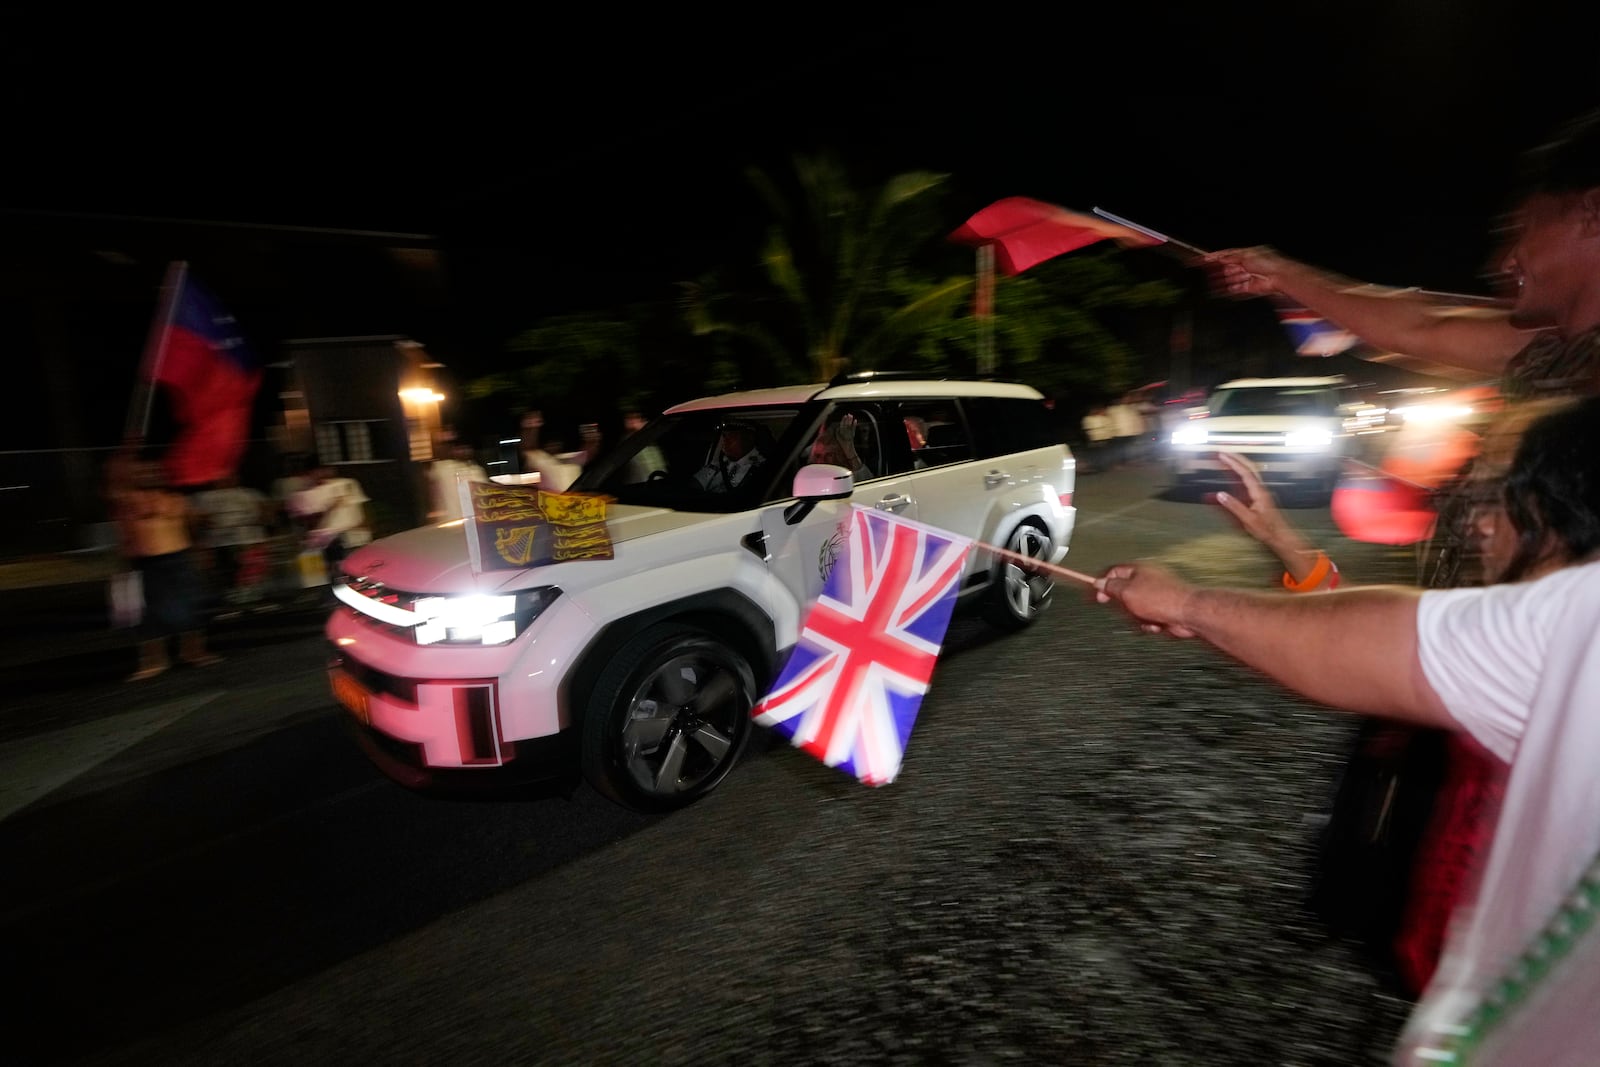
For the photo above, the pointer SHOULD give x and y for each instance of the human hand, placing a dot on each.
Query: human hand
(1149, 592)
(1257, 512)
(1245, 272)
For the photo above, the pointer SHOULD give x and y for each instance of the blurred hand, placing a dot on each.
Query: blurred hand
(1149, 592)
(1245, 272)
(1257, 512)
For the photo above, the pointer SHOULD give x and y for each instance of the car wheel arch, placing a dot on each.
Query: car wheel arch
(726, 613)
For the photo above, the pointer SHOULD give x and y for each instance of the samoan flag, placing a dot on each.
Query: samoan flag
(1026, 232)
(852, 686)
(1313, 335)
(211, 377)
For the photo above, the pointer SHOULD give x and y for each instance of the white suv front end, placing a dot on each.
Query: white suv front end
(1291, 429)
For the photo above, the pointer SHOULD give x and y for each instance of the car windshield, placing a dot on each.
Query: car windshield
(1273, 400)
(725, 459)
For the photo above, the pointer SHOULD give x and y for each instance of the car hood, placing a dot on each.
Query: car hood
(434, 559)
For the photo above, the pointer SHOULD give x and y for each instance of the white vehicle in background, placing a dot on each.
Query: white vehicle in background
(639, 672)
(1292, 429)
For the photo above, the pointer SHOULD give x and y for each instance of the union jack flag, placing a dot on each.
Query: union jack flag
(850, 690)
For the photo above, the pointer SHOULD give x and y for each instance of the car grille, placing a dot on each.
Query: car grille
(1247, 439)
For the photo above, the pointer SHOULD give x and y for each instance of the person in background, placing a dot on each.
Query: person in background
(233, 522)
(531, 427)
(648, 459)
(556, 470)
(1127, 431)
(154, 527)
(334, 513)
(455, 462)
(1097, 435)
(1515, 665)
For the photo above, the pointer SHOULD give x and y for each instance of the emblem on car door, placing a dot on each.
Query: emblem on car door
(832, 548)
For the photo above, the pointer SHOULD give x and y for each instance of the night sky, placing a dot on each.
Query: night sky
(586, 159)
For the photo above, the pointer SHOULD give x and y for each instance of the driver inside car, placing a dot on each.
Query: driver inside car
(735, 457)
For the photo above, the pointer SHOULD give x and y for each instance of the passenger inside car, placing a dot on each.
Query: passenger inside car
(844, 441)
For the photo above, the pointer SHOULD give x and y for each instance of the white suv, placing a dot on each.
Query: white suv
(1292, 429)
(640, 671)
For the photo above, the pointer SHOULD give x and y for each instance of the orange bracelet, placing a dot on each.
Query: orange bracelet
(1320, 572)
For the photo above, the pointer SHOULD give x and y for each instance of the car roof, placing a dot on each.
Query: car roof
(861, 390)
(751, 398)
(1252, 383)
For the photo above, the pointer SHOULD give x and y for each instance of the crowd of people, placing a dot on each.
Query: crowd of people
(1496, 648)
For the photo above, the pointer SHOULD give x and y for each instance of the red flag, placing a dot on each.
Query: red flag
(1027, 232)
(211, 377)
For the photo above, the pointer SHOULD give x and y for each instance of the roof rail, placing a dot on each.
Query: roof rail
(858, 376)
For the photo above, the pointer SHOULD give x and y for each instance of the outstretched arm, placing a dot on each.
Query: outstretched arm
(1396, 320)
(1354, 649)
(1258, 515)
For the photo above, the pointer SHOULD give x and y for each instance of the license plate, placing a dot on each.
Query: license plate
(349, 692)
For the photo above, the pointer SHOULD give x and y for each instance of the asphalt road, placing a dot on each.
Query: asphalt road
(1096, 853)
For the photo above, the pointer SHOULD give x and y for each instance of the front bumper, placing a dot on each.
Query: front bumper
(427, 734)
(1275, 468)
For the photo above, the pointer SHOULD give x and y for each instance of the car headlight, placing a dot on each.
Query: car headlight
(478, 619)
(1189, 435)
(1314, 439)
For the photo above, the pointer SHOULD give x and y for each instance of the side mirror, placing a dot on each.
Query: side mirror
(818, 481)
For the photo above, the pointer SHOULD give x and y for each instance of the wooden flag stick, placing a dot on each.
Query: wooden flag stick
(1148, 232)
(1037, 564)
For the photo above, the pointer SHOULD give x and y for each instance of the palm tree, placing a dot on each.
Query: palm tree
(836, 286)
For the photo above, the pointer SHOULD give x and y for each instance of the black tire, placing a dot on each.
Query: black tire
(667, 718)
(1017, 595)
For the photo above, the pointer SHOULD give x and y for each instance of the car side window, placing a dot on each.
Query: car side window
(1002, 426)
(849, 436)
(935, 434)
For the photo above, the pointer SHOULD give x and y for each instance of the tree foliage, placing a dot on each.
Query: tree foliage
(845, 278)
(838, 283)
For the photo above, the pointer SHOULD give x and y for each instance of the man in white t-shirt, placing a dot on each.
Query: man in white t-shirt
(335, 515)
(1516, 666)
(443, 476)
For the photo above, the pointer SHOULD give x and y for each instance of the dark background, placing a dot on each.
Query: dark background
(458, 178)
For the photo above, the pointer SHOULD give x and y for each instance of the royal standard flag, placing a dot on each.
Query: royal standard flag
(513, 527)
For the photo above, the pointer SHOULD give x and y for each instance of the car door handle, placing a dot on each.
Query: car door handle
(895, 502)
(994, 478)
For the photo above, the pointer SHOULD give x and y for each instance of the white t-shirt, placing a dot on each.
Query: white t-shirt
(1519, 667)
(556, 473)
(1097, 426)
(1125, 420)
(233, 515)
(338, 501)
(446, 493)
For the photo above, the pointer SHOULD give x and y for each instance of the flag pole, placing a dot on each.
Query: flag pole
(1036, 564)
(155, 350)
(1151, 233)
(983, 304)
